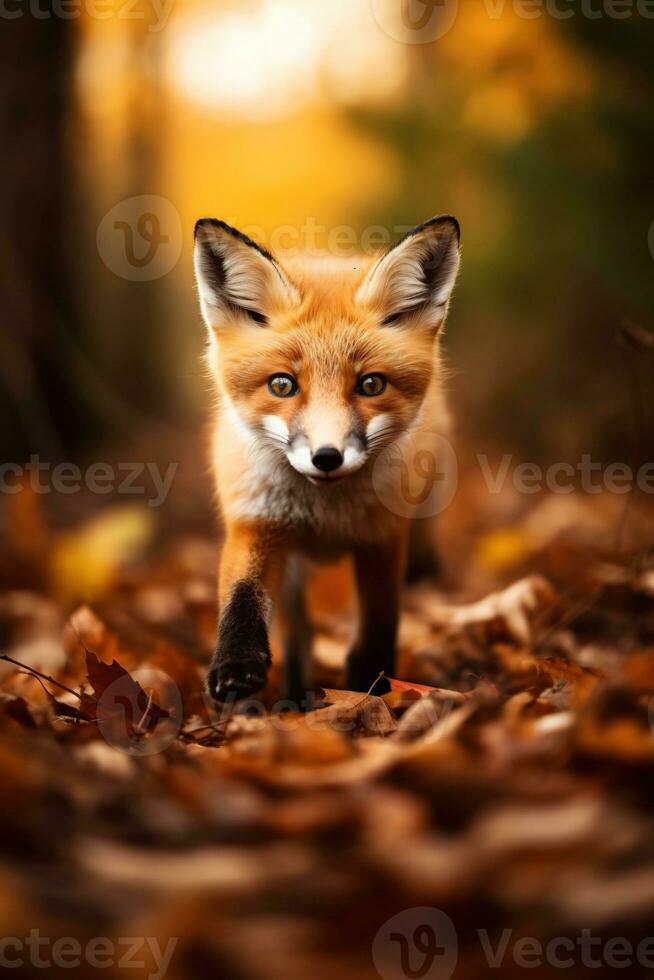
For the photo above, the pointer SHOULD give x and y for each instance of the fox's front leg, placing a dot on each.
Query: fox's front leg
(379, 573)
(249, 565)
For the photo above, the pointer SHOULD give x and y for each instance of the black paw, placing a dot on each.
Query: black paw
(240, 666)
(234, 678)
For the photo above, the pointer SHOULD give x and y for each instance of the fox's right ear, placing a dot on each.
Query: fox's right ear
(236, 277)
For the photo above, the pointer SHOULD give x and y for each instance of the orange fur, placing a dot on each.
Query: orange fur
(326, 324)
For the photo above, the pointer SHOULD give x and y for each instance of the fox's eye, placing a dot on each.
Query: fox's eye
(371, 385)
(282, 386)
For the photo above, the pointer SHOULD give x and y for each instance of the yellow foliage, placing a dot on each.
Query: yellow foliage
(515, 68)
(84, 562)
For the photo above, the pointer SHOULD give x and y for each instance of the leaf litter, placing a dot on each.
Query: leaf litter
(507, 779)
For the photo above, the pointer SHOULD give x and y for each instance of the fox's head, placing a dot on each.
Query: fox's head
(328, 360)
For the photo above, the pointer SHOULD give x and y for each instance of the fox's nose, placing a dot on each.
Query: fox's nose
(327, 459)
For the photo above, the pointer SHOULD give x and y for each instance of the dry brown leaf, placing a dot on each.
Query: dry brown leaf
(518, 609)
(353, 713)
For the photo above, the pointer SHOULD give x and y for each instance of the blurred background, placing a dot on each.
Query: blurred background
(265, 851)
(336, 123)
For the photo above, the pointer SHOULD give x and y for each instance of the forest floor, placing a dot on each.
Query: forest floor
(494, 812)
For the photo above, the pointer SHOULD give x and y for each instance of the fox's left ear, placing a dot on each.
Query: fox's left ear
(238, 280)
(417, 275)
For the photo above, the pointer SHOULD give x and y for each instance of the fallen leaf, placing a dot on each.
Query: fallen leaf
(120, 698)
(354, 713)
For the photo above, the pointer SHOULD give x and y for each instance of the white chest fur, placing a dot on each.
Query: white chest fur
(272, 490)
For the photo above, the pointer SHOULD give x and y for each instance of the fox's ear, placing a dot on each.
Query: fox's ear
(417, 275)
(236, 277)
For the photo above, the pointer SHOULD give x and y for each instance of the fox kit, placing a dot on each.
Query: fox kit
(320, 366)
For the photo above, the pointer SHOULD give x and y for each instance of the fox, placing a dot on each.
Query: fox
(325, 370)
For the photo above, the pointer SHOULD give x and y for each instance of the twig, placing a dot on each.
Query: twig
(83, 715)
(205, 728)
(376, 681)
(138, 729)
(189, 736)
(37, 673)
